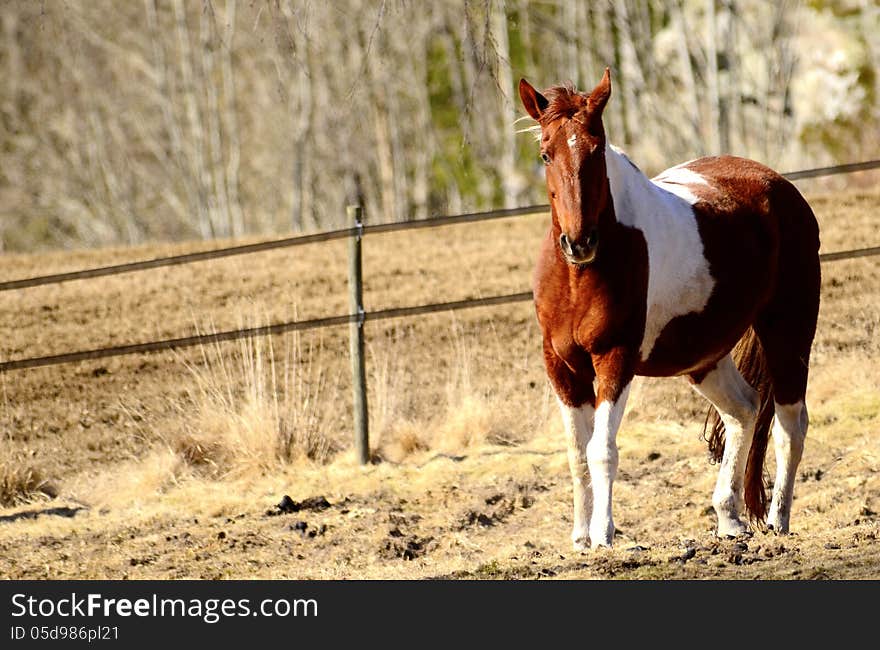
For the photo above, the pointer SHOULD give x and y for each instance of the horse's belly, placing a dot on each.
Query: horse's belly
(681, 349)
(695, 340)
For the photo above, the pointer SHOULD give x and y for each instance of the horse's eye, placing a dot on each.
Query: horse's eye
(545, 157)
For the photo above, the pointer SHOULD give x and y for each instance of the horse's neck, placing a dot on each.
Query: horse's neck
(678, 273)
(636, 198)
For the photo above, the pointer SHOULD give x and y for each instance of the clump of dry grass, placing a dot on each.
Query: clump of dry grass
(249, 411)
(396, 431)
(473, 415)
(466, 412)
(21, 482)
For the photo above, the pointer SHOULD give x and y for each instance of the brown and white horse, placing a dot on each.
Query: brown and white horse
(663, 277)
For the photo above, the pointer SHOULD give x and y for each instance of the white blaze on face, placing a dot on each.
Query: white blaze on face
(679, 281)
(572, 141)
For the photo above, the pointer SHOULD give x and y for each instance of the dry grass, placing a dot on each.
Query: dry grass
(169, 450)
(21, 482)
(246, 411)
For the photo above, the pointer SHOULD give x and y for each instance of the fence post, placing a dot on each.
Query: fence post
(356, 337)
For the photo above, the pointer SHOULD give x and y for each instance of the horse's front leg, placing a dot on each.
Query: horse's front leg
(574, 392)
(614, 373)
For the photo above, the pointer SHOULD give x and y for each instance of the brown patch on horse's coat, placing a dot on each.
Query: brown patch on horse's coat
(773, 354)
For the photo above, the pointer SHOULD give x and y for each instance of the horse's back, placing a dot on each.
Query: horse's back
(756, 212)
(727, 185)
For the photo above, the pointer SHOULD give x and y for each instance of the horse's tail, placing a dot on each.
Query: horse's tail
(752, 364)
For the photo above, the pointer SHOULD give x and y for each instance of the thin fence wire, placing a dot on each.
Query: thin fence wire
(317, 323)
(265, 330)
(330, 321)
(287, 242)
(330, 235)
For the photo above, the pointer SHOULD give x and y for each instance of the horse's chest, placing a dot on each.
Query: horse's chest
(590, 321)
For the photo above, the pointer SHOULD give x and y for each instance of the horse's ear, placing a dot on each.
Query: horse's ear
(534, 102)
(599, 97)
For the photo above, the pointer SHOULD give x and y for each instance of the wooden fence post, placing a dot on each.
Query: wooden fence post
(356, 337)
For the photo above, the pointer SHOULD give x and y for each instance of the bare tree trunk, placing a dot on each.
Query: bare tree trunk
(217, 203)
(692, 100)
(570, 45)
(12, 77)
(724, 26)
(170, 121)
(398, 152)
(230, 124)
(507, 158)
(424, 153)
(382, 129)
(625, 96)
(195, 148)
(586, 60)
(304, 143)
(12, 51)
(715, 107)
(457, 91)
(787, 65)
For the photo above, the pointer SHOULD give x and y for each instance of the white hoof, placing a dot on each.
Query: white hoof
(778, 521)
(602, 537)
(732, 527)
(778, 527)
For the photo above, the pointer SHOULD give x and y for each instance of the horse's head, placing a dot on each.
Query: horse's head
(573, 150)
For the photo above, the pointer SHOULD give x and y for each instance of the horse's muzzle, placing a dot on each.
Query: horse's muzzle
(579, 252)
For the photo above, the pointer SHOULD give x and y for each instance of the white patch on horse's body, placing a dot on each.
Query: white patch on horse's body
(602, 460)
(572, 141)
(679, 180)
(679, 281)
(578, 423)
(789, 432)
(737, 404)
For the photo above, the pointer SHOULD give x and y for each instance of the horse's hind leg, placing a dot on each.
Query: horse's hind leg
(737, 404)
(789, 433)
(786, 327)
(787, 360)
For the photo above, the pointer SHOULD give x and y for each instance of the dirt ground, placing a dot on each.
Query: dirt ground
(160, 466)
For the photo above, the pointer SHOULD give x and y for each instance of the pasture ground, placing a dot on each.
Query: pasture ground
(171, 465)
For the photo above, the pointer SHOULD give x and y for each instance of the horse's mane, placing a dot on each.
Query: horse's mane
(565, 102)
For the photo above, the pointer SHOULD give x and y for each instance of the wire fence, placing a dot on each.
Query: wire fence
(330, 321)
(344, 233)
(265, 330)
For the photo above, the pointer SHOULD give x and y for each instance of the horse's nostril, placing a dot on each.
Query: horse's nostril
(593, 238)
(563, 241)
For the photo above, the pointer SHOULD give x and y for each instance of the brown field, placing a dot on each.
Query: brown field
(170, 465)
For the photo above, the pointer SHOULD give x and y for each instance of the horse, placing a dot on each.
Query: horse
(709, 271)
